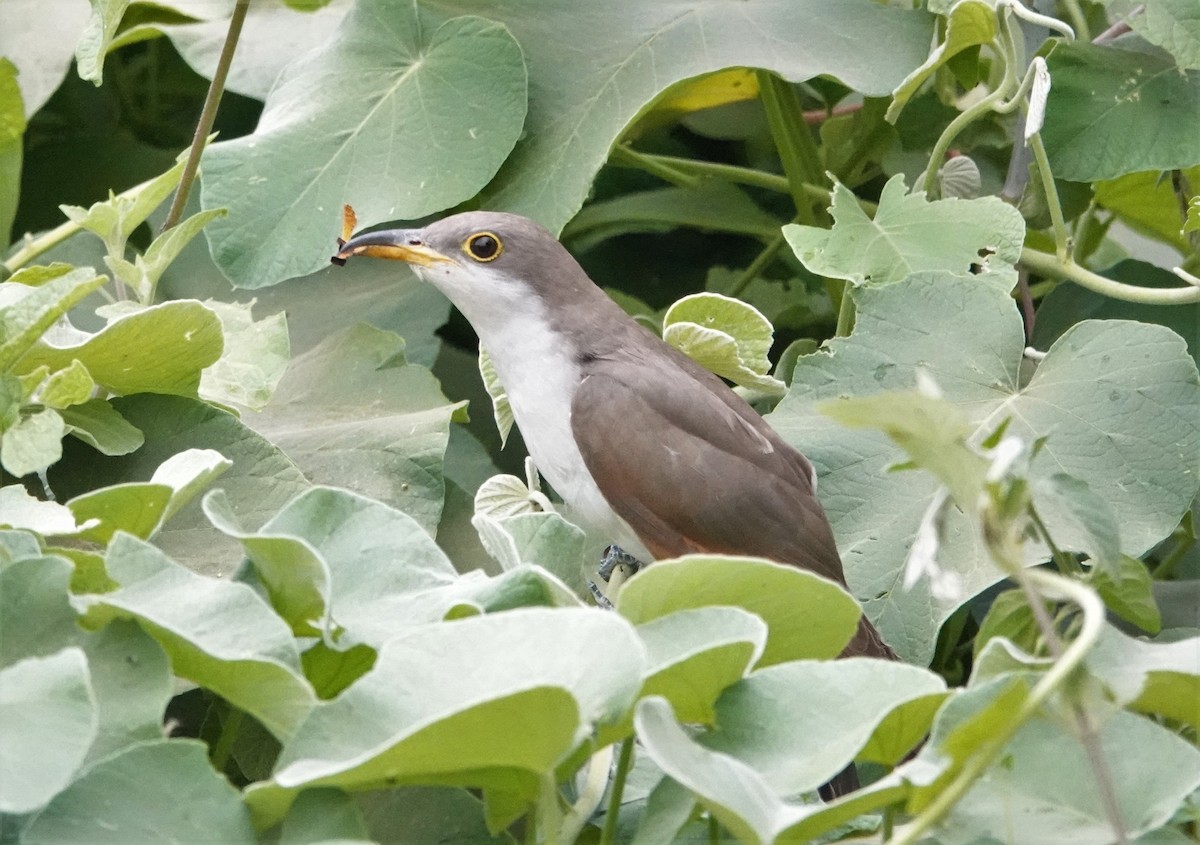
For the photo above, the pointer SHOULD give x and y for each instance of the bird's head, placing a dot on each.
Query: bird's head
(485, 262)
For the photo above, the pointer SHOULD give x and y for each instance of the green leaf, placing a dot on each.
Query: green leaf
(1113, 111)
(1045, 790)
(1173, 25)
(20, 510)
(1094, 525)
(1009, 617)
(724, 335)
(12, 128)
(141, 509)
(323, 815)
(164, 790)
(27, 313)
(736, 795)
(94, 42)
(255, 357)
(626, 52)
(143, 273)
(97, 423)
(545, 539)
(435, 111)
(33, 444)
(1090, 395)
(260, 481)
(712, 206)
(353, 413)
(276, 31)
(425, 814)
(969, 24)
(331, 557)
(69, 386)
(1146, 201)
(47, 722)
(978, 239)
(41, 46)
(218, 634)
(806, 615)
(693, 655)
(930, 430)
(798, 724)
(114, 220)
(482, 681)
(160, 349)
(1155, 678)
(1127, 590)
(501, 409)
(1068, 304)
(132, 682)
(1192, 224)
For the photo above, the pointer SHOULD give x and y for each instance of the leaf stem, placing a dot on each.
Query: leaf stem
(845, 318)
(1067, 563)
(549, 809)
(46, 241)
(590, 797)
(1062, 239)
(1056, 676)
(230, 726)
(793, 141)
(208, 114)
(608, 835)
(1049, 265)
(664, 167)
(760, 263)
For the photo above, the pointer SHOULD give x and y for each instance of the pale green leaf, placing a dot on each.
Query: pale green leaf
(33, 444)
(501, 409)
(502, 496)
(1156, 678)
(160, 791)
(323, 816)
(979, 238)
(424, 814)
(806, 615)
(160, 349)
(69, 386)
(41, 46)
(26, 313)
(255, 357)
(353, 413)
(218, 634)
(1046, 792)
(1113, 111)
(1173, 25)
(1091, 396)
(451, 703)
(12, 128)
(545, 539)
(47, 722)
(625, 52)
(96, 37)
(20, 510)
(799, 723)
(36, 619)
(132, 682)
(968, 24)
(724, 335)
(435, 111)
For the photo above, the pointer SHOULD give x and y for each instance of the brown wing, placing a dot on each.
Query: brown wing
(692, 468)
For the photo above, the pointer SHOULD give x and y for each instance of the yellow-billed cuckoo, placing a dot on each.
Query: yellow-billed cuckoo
(650, 450)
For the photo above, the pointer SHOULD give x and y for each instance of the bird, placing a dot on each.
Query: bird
(648, 448)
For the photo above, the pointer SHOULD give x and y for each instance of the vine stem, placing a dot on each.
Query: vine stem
(590, 797)
(208, 114)
(1062, 240)
(1049, 265)
(608, 835)
(1054, 586)
(229, 731)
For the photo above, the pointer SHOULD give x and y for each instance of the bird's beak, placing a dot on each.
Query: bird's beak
(396, 244)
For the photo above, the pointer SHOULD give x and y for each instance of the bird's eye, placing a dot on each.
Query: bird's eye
(483, 246)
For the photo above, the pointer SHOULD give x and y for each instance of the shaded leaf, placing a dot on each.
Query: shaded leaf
(135, 797)
(47, 722)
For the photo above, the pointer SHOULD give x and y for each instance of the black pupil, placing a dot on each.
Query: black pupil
(484, 246)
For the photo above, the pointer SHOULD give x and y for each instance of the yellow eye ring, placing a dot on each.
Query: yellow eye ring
(483, 246)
